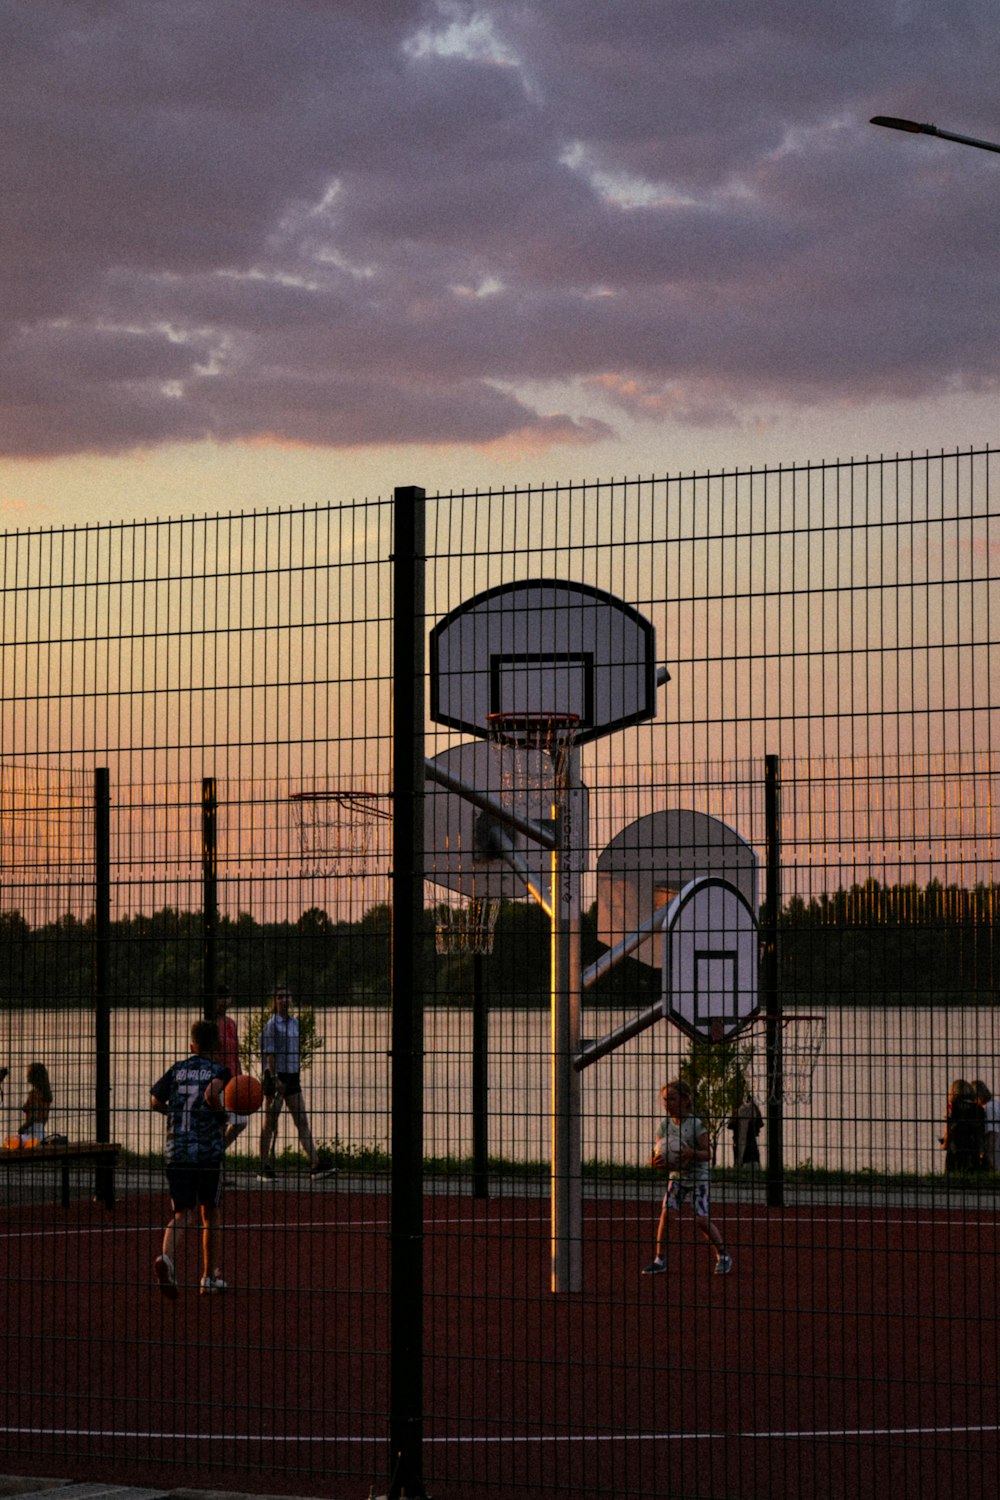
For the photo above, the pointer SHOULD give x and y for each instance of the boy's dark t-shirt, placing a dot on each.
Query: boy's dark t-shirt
(194, 1131)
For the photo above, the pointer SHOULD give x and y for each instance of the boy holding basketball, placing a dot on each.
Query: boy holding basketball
(683, 1149)
(191, 1095)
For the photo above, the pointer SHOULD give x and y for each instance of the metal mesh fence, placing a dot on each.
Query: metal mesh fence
(823, 700)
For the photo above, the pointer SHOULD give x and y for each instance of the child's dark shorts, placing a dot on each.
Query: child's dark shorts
(193, 1187)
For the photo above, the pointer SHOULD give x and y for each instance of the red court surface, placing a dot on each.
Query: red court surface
(853, 1351)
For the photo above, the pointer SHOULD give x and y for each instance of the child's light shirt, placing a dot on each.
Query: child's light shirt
(672, 1135)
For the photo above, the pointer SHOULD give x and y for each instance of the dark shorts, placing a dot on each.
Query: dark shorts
(193, 1187)
(289, 1084)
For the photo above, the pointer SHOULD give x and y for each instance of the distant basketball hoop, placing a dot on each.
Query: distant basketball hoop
(338, 831)
(466, 926)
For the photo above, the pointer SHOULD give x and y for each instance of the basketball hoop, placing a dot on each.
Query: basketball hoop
(800, 1040)
(535, 748)
(466, 927)
(338, 831)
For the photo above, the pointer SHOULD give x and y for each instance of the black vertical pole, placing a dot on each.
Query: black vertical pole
(102, 972)
(408, 979)
(480, 1080)
(210, 895)
(775, 1177)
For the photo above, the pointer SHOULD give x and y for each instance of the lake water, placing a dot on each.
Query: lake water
(878, 1094)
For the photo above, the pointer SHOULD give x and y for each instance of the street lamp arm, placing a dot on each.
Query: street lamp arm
(945, 135)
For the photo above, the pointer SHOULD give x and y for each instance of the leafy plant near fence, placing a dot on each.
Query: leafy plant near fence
(717, 1073)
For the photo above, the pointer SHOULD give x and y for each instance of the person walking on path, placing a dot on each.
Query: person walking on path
(279, 1046)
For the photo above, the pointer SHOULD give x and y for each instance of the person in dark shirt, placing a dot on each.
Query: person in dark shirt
(965, 1133)
(190, 1095)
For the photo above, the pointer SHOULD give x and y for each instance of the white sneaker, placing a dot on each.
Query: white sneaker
(163, 1270)
(210, 1285)
(724, 1264)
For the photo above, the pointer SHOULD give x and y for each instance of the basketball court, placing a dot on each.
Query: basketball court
(793, 1376)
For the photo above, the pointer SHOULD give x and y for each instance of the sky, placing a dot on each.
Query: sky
(297, 253)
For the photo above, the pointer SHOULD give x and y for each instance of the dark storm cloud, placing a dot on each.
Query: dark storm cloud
(343, 223)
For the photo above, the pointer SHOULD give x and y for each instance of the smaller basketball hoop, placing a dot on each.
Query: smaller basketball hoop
(338, 831)
(790, 1076)
(535, 747)
(467, 927)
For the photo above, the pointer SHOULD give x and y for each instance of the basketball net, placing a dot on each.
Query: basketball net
(801, 1043)
(338, 832)
(466, 927)
(534, 750)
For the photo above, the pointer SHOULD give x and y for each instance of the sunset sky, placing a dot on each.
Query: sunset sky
(282, 254)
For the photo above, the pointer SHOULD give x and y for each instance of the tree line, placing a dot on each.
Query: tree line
(866, 945)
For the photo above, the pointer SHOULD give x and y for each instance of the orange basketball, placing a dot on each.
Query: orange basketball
(244, 1094)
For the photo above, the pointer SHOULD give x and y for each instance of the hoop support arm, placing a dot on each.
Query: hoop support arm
(628, 944)
(496, 809)
(624, 1033)
(514, 862)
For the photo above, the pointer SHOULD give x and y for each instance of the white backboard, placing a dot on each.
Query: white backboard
(710, 960)
(649, 862)
(545, 645)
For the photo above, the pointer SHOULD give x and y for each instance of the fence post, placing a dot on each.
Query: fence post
(102, 971)
(480, 1079)
(408, 980)
(210, 895)
(775, 1176)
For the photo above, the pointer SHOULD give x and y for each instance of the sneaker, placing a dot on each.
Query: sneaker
(163, 1270)
(655, 1268)
(724, 1264)
(211, 1285)
(319, 1171)
(266, 1174)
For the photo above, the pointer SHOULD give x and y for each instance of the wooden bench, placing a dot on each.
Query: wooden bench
(104, 1155)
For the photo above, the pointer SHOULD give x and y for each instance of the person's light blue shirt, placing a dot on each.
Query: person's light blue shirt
(280, 1039)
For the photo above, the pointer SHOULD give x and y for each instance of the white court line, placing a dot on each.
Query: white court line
(948, 1219)
(786, 1435)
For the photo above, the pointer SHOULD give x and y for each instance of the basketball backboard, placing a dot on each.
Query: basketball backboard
(545, 645)
(710, 960)
(464, 846)
(651, 861)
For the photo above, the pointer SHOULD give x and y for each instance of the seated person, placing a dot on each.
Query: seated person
(37, 1105)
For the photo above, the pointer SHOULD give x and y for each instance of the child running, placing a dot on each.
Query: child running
(190, 1094)
(682, 1147)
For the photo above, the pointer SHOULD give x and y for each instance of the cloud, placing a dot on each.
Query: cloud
(370, 223)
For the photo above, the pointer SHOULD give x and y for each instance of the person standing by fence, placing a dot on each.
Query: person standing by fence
(964, 1135)
(991, 1123)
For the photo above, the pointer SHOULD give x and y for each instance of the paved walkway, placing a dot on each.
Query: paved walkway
(60, 1489)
